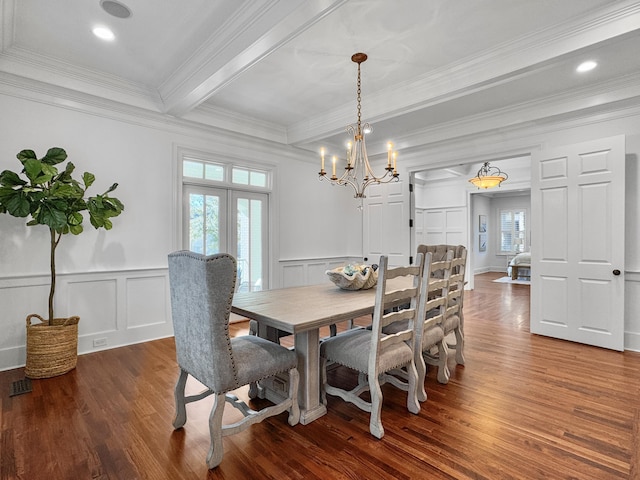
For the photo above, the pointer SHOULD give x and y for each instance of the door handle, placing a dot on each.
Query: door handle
(616, 272)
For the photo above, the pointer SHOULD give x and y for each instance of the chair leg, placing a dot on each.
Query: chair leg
(443, 369)
(421, 369)
(181, 406)
(216, 450)
(256, 390)
(375, 421)
(323, 381)
(413, 405)
(294, 411)
(459, 346)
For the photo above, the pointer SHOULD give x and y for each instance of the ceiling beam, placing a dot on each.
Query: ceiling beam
(251, 36)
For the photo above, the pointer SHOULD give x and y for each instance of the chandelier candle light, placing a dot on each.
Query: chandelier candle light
(358, 172)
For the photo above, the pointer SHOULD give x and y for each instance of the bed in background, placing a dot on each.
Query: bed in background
(520, 262)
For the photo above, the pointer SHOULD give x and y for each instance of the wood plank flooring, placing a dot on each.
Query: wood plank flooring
(523, 407)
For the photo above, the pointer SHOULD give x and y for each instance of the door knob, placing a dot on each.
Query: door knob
(616, 272)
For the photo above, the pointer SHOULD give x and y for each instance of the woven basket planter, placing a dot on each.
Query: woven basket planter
(51, 349)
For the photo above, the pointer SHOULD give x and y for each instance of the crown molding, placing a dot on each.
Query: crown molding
(501, 64)
(244, 145)
(31, 65)
(230, 120)
(603, 97)
(515, 140)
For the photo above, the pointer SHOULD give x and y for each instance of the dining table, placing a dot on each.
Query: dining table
(303, 311)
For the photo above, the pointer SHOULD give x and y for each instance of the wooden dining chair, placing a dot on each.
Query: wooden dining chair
(202, 290)
(372, 353)
(453, 323)
(430, 346)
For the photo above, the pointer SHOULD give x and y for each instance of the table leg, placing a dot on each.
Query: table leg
(308, 349)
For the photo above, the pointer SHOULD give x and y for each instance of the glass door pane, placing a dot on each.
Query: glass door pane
(250, 240)
(205, 214)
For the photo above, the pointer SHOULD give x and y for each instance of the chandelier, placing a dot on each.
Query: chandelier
(358, 172)
(488, 177)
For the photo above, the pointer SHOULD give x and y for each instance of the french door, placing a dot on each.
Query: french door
(217, 220)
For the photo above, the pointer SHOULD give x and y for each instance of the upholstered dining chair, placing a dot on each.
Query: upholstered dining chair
(453, 322)
(372, 354)
(202, 290)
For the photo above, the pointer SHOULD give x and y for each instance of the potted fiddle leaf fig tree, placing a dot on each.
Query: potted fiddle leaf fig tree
(48, 195)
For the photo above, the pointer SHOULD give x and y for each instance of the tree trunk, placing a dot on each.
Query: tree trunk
(54, 244)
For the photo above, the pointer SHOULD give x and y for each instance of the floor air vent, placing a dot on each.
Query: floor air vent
(20, 386)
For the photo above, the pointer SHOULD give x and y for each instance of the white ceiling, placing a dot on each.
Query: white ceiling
(281, 69)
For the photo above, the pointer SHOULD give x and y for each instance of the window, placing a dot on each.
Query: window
(513, 231)
(225, 209)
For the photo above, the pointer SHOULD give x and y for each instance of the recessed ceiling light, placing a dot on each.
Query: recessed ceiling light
(103, 33)
(116, 9)
(586, 66)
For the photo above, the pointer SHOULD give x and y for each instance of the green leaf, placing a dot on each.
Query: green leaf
(75, 229)
(26, 155)
(17, 204)
(50, 214)
(75, 219)
(88, 179)
(65, 190)
(33, 169)
(42, 179)
(49, 170)
(11, 179)
(54, 156)
(66, 176)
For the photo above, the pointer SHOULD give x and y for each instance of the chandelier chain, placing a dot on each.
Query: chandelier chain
(359, 96)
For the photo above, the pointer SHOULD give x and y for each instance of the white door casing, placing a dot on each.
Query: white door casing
(577, 242)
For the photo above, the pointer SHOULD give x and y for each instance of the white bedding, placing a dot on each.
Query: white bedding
(520, 259)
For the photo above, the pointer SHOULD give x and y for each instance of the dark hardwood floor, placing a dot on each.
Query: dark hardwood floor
(523, 407)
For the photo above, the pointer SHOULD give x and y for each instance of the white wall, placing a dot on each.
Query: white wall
(117, 280)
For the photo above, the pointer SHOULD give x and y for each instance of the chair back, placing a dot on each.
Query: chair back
(439, 252)
(389, 295)
(456, 284)
(201, 295)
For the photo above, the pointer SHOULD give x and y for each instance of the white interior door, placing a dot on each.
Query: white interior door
(386, 223)
(577, 242)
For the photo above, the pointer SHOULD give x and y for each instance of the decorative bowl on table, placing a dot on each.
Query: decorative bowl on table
(354, 277)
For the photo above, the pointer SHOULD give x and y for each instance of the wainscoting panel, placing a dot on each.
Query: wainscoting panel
(632, 311)
(95, 302)
(311, 271)
(116, 308)
(147, 301)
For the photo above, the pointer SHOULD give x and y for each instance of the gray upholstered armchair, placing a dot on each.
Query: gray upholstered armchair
(201, 294)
